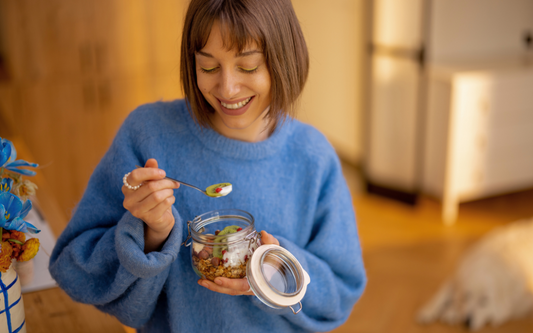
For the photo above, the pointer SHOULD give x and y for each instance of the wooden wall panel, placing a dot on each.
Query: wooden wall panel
(78, 68)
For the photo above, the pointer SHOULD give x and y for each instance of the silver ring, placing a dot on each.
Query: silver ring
(125, 181)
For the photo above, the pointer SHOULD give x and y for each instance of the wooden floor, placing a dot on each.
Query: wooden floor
(408, 253)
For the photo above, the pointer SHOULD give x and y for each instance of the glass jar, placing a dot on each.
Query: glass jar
(222, 242)
(226, 244)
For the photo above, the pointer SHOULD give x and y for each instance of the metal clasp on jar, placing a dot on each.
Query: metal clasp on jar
(188, 233)
(256, 236)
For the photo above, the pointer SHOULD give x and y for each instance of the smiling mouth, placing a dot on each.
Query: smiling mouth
(236, 105)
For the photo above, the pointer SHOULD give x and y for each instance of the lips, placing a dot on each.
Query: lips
(236, 108)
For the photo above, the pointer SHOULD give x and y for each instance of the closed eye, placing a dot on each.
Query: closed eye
(208, 70)
(248, 70)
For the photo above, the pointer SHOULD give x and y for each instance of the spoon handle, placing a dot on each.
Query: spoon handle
(179, 181)
(183, 183)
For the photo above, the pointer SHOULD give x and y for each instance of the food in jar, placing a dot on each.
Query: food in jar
(223, 260)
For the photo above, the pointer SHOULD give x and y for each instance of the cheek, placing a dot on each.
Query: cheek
(264, 85)
(203, 83)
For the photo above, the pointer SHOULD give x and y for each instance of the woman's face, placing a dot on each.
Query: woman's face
(237, 86)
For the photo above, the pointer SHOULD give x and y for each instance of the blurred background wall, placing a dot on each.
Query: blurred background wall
(380, 86)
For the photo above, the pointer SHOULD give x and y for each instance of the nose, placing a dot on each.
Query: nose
(229, 85)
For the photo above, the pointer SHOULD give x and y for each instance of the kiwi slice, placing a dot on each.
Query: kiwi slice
(217, 249)
(212, 190)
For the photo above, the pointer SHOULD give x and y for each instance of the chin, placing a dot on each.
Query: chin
(235, 124)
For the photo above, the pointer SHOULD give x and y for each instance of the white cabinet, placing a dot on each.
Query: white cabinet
(480, 133)
(457, 132)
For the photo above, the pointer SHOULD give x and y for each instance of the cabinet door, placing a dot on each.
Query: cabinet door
(491, 137)
(393, 156)
(508, 137)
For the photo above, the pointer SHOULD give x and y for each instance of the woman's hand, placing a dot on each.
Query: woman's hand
(236, 286)
(152, 203)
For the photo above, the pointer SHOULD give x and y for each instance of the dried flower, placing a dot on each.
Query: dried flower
(29, 249)
(5, 256)
(14, 235)
(24, 189)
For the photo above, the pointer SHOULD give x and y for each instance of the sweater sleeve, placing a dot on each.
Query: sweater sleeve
(332, 257)
(99, 258)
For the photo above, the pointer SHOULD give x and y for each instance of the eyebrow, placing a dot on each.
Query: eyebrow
(240, 54)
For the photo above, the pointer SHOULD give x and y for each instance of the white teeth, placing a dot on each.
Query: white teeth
(236, 105)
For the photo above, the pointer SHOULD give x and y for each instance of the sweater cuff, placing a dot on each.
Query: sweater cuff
(129, 244)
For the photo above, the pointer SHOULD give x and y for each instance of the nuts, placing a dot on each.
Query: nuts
(215, 261)
(203, 254)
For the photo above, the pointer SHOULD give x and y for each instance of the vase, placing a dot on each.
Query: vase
(12, 317)
(25, 271)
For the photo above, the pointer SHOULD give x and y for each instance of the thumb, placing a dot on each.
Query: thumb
(151, 163)
(267, 238)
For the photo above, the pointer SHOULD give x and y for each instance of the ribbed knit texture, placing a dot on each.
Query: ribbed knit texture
(291, 183)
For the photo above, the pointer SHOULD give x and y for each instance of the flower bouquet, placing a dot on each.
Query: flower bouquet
(14, 206)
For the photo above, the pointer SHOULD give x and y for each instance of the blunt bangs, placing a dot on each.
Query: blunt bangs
(237, 34)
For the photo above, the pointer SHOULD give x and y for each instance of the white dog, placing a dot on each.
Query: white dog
(493, 283)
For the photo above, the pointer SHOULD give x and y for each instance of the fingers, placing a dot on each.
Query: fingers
(151, 201)
(267, 238)
(227, 286)
(151, 163)
(152, 193)
(151, 198)
(156, 205)
(142, 175)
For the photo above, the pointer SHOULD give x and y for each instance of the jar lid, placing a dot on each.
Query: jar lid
(276, 277)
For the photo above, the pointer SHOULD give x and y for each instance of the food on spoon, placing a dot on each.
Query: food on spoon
(219, 190)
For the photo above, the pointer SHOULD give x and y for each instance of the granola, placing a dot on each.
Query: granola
(208, 270)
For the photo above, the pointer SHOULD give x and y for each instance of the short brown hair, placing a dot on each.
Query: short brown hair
(271, 24)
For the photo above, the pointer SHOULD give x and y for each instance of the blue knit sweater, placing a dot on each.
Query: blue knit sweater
(291, 183)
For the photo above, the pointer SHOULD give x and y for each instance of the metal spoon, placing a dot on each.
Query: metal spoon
(211, 191)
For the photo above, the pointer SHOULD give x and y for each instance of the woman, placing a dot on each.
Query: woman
(243, 66)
